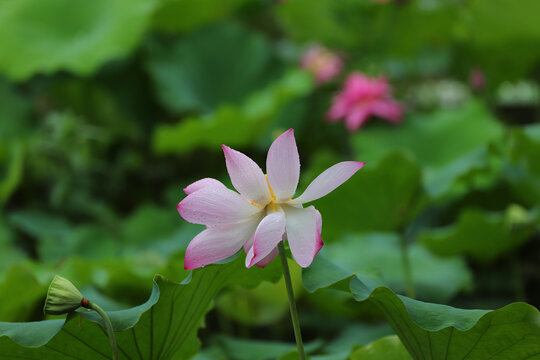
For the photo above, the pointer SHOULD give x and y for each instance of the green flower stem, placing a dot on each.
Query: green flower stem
(407, 271)
(292, 303)
(108, 326)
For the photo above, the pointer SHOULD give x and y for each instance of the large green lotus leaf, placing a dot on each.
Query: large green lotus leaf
(47, 36)
(187, 15)
(433, 331)
(165, 327)
(234, 126)
(452, 146)
(219, 64)
(389, 347)
(435, 278)
(21, 294)
(522, 168)
(480, 235)
(381, 196)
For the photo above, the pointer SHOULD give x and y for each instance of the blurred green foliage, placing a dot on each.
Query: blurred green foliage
(109, 108)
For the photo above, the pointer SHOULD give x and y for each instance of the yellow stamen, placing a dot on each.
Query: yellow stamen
(271, 190)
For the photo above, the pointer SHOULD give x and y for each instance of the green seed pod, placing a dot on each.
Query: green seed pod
(62, 297)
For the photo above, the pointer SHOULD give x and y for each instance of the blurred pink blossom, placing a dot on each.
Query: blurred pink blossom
(323, 63)
(363, 97)
(263, 212)
(477, 79)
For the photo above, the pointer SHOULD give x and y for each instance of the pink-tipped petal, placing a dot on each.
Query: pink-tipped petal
(318, 218)
(303, 237)
(329, 180)
(268, 259)
(246, 176)
(206, 182)
(217, 243)
(318, 222)
(216, 206)
(268, 234)
(249, 244)
(283, 166)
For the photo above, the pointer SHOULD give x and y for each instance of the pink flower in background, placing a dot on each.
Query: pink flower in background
(323, 63)
(477, 79)
(363, 97)
(264, 213)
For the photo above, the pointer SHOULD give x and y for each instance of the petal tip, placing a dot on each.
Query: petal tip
(287, 133)
(360, 164)
(305, 265)
(251, 261)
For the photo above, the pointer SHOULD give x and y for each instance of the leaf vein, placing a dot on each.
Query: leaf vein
(85, 343)
(136, 343)
(448, 342)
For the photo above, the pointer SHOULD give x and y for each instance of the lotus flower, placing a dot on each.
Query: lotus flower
(264, 213)
(323, 63)
(363, 97)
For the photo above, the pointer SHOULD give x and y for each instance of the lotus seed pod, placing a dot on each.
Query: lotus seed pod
(62, 297)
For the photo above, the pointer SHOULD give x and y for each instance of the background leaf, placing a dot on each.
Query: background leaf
(435, 279)
(184, 15)
(89, 35)
(482, 236)
(249, 120)
(222, 63)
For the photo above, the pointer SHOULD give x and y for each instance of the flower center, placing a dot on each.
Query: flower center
(272, 205)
